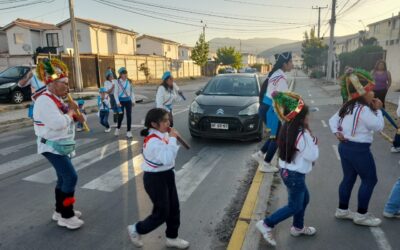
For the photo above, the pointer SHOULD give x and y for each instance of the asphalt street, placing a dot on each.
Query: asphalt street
(110, 190)
(323, 182)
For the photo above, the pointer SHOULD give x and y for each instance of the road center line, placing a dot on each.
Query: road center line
(180, 111)
(335, 148)
(324, 124)
(380, 238)
(312, 101)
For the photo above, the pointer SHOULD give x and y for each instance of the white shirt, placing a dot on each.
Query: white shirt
(359, 129)
(307, 153)
(159, 153)
(166, 98)
(105, 103)
(398, 108)
(109, 84)
(123, 89)
(50, 123)
(277, 82)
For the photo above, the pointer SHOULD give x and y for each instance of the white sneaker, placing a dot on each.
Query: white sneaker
(79, 129)
(344, 214)
(266, 232)
(366, 220)
(258, 156)
(70, 223)
(107, 130)
(309, 231)
(395, 150)
(56, 216)
(116, 133)
(134, 236)
(177, 243)
(266, 167)
(390, 216)
(129, 135)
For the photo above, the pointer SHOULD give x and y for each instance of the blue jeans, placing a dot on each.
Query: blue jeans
(298, 199)
(357, 160)
(66, 174)
(393, 204)
(104, 118)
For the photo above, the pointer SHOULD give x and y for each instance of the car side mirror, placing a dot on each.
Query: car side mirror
(198, 92)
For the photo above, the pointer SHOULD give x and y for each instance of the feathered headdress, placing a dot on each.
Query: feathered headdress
(50, 70)
(356, 83)
(289, 103)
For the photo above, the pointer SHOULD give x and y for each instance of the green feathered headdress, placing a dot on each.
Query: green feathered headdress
(356, 83)
(49, 70)
(289, 103)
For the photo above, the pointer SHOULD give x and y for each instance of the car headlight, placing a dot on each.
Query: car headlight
(250, 110)
(7, 85)
(195, 108)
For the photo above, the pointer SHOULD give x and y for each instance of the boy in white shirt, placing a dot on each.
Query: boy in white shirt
(103, 103)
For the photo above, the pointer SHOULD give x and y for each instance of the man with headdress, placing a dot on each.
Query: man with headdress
(55, 130)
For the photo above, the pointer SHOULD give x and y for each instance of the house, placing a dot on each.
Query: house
(24, 37)
(387, 31)
(151, 45)
(349, 43)
(99, 38)
(185, 52)
(261, 60)
(297, 61)
(3, 41)
(248, 59)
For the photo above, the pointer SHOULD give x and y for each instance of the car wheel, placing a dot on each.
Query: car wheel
(17, 97)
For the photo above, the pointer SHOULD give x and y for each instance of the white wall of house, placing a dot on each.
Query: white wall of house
(147, 46)
(185, 53)
(171, 51)
(101, 41)
(125, 44)
(3, 42)
(36, 39)
(386, 32)
(84, 41)
(17, 37)
(393, 62)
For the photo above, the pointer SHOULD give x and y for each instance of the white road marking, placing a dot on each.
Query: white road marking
(180, 111)
(30, 159)
(324, 124)
(16, 148)
(312, 101)
(380, 238)
(118, 176)
(48, 175)
(309, 95)
(196, 170)
(335, 148)
(9, 138)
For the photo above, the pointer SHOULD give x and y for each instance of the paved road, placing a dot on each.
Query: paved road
(110, 190)
(323, 184)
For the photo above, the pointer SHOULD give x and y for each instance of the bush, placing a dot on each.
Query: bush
(221, 71)
(364, 57)
(317, 74)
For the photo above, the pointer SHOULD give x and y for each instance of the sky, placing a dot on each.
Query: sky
(182, 20)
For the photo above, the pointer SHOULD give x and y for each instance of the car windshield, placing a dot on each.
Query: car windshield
(14, 72)
(232, 86)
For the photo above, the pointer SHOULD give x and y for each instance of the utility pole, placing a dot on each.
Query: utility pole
(77, 60)
(319, 18)
(204, 29)
(331, 42)
(240, 45)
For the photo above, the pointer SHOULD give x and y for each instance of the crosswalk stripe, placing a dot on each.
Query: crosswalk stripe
(48, 175)
(9, 138)
(196, 170)
(16, 148)
(118, 176)
(30, 159)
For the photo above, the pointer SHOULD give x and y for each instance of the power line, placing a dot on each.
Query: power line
(267, 5)
(26, 4)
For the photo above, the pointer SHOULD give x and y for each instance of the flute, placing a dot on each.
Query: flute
(78, 113)
(181, 141)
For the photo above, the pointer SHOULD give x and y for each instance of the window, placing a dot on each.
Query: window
(18, 38)
(387, 42)
(391, 42)
(397, 41)
(138, 46)
(78, 33)
(394, 24)
(52, 40)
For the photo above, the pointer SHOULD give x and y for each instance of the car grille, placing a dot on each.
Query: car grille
(234, 124)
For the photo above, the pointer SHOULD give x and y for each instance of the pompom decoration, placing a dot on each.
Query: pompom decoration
(68, 201)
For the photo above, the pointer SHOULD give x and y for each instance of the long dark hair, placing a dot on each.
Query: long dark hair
(348, 106)
(379, 62)
(165, 84)
(288, 135)
(155, 115)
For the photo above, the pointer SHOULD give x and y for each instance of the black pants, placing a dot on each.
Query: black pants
(381, 95)
(163, 194)
(125, 105)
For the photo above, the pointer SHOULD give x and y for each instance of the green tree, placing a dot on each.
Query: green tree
(229, 56)
(315, 52)
(200, 51)
(364, 57)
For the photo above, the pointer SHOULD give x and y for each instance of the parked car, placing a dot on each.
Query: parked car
(9, 88)
(230, 70)
(227, 107)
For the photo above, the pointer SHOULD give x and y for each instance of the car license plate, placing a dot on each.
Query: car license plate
(224, 126)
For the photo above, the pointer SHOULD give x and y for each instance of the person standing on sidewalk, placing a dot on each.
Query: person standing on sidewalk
(298, 150)
(103, 103)
(160, 149)
(277, 81)
(392, 206)
(109, 84)
(125, 99)
(382, 79)
(353, 125)
(168, 93)
(55, 131)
